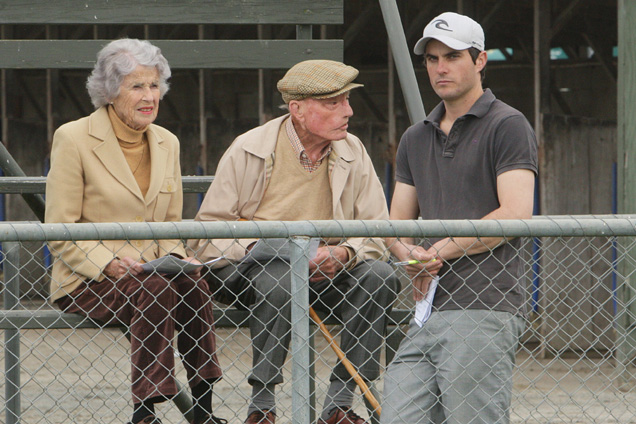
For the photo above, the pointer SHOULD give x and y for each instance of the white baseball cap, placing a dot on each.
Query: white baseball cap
(457, 31)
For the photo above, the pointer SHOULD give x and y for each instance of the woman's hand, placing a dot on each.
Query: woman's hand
(118, 268)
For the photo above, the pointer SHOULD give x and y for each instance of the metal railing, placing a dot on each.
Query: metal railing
(600, 248)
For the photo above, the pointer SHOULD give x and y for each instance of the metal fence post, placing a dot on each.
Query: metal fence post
(403, 64)
(12, 336)
(300, 330)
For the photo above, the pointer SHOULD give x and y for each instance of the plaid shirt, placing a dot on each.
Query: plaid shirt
(299, 149)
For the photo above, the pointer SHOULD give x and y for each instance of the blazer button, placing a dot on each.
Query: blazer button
(139, 219)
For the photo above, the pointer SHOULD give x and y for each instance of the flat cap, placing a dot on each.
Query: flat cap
(317, 79)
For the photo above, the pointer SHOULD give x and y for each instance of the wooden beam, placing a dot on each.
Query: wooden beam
(468, 8)
(6, 77)
(373, 108)
(525, 48)
(626, 106)
(203, 118)
(541, 62)
(265, 112)
(558, 98)
(3, 105)
(507, 55)
(305, 12)
(602, 53)
(565, 16)
(571, 52)
(70, 95)
(26, 90)
(186, 54)
(286, 31)
(52, 93)
(416, 26)
(79, 31)
(489, 20)
(363, 20)
(174, 110)
(626, 167)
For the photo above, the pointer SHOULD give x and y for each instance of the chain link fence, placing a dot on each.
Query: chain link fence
(574, 362)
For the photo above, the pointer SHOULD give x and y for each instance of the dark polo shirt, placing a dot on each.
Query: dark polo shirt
(455, 177)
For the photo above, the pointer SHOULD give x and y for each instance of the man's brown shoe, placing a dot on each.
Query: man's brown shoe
(261, 417)
(343, 416)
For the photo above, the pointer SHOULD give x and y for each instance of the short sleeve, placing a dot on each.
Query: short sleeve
(402, 166)
(515, 146)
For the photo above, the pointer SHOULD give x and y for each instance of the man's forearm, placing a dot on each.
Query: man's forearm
(456, 247)
(400, 247)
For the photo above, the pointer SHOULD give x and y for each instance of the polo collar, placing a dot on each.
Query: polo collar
(479, 109)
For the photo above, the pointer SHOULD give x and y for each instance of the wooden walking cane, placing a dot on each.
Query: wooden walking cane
(348, 365)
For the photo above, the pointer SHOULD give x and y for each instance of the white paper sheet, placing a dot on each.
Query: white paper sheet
(424, 306)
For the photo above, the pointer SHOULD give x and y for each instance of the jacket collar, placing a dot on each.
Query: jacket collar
(264, 144)
(110, 154)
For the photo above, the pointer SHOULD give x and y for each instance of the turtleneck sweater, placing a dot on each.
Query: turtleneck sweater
(134, 145)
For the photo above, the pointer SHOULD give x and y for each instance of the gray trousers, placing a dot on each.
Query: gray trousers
(455, 369)
(361, 298)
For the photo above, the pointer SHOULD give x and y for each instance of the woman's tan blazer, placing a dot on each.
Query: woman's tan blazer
(90, 181)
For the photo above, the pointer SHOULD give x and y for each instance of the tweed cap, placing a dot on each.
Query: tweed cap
(317, 79)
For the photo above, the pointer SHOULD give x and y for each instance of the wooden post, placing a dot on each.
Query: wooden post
(3, 98)
(626, 188)
(264, 82)
(542, 37)
(626, 107)
(541, 64)
(392, 137)
(468, 8)
(203, 119)
(52, 94)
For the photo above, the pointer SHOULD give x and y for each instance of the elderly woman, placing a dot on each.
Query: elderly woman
(116, 166)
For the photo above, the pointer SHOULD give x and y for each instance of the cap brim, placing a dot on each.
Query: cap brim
(344, 89)
(420, 46)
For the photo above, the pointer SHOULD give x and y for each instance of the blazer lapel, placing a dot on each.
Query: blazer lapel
(109, 152)
(158, 164)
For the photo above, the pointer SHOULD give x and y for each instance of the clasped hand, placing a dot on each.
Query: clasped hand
(327, 263)
(423, 272)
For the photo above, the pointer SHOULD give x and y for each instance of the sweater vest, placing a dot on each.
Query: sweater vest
(293, 193)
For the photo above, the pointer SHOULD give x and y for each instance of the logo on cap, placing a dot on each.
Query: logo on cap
(438, 24)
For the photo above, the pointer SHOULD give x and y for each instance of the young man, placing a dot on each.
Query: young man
(473, 157)
(304, 166)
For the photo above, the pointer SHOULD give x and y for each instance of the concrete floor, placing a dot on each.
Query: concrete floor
(82, 377)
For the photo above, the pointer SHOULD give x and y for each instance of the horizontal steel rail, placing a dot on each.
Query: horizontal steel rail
(37, 185)
(27, 319)
(619, 225)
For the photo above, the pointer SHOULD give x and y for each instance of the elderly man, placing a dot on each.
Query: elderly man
(304, 166)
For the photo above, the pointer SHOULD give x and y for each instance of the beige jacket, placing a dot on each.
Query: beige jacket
(242, 176)
(90, 181)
